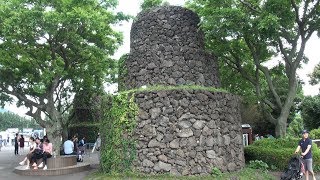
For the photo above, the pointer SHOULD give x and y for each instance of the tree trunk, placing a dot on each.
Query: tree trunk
(64, 133)
(54, 134)
(281, 125)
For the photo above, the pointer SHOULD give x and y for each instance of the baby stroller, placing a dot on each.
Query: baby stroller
(295, 169)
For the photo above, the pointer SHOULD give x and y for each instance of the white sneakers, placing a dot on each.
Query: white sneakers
(45, 167)
(27, 167)
(41, 165)
(22, 163)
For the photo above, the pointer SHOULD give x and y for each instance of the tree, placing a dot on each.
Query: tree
(315, 75)
(310, 112)
(247, 33)
(147, 4)
(11, 120)
(295, 127)
(50, 50)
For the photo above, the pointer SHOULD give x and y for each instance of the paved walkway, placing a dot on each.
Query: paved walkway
(8, 161)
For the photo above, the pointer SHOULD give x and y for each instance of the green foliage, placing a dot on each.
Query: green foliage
(314, 134)
(310, 111)
(51, 50)
(295, 127)
(244, 174)
(147, 4)
(122, 71)
(246, 35)
(315, 75)
(215, 172)
(118, 148)
(258, 164)
(11, 120)
(277, 152)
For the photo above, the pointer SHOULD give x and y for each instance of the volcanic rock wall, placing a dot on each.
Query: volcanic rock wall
(168, 49)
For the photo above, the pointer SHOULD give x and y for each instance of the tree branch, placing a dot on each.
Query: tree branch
(250, 6)
(37, 116)
(21, 97)
(265, 71)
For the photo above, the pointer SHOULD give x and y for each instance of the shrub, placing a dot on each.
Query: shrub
(216, 172)
(118, 149)
(295, 127)
(258, 164)
(315, 134)
(277, 152)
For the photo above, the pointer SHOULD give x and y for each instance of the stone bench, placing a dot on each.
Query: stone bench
(56, 166)
(60, 161)
(79, 167)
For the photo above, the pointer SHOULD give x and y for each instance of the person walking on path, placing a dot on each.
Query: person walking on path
(16, 144)
(97, 146)
(21, 144)
(305, 144)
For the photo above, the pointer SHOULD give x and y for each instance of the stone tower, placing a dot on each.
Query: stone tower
(168, 49)
(183, 131)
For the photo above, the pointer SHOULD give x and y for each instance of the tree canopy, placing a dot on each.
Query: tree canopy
(245, 35)
(310, 112)
(147, 4)
(11, 120)
(49, 50)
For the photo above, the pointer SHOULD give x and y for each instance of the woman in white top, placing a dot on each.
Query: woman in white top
(29, 155)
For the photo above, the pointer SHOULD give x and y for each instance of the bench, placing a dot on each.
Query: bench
(61, 161)
(56, 166)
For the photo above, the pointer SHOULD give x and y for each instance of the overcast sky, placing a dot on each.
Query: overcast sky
(131, 7)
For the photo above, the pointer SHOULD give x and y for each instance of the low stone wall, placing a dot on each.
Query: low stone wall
(187, 132)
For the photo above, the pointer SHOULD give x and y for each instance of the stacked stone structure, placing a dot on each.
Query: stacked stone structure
(167, 48)
(184, 131)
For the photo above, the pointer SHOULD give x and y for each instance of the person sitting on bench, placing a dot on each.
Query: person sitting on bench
(30, 153)
(68, 147)
(37, 154)
(47, 153)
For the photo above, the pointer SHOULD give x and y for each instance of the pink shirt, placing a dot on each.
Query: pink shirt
(47, 148)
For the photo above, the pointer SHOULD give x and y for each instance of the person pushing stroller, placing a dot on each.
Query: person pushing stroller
(305, 145)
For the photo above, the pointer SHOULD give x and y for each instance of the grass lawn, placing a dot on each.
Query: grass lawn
(245, 174)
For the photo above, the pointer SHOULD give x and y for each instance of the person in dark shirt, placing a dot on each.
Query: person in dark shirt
(305, 145)
(16, 144)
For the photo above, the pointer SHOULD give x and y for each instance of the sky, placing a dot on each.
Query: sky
(131, 7)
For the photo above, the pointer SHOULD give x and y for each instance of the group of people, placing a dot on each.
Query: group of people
(39, 149)
(18, 142)
(72, 146)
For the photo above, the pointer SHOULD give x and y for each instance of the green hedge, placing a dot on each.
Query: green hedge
(315, 134)
(277, 152)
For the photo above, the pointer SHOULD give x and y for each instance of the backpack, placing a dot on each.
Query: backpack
(81, 142)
